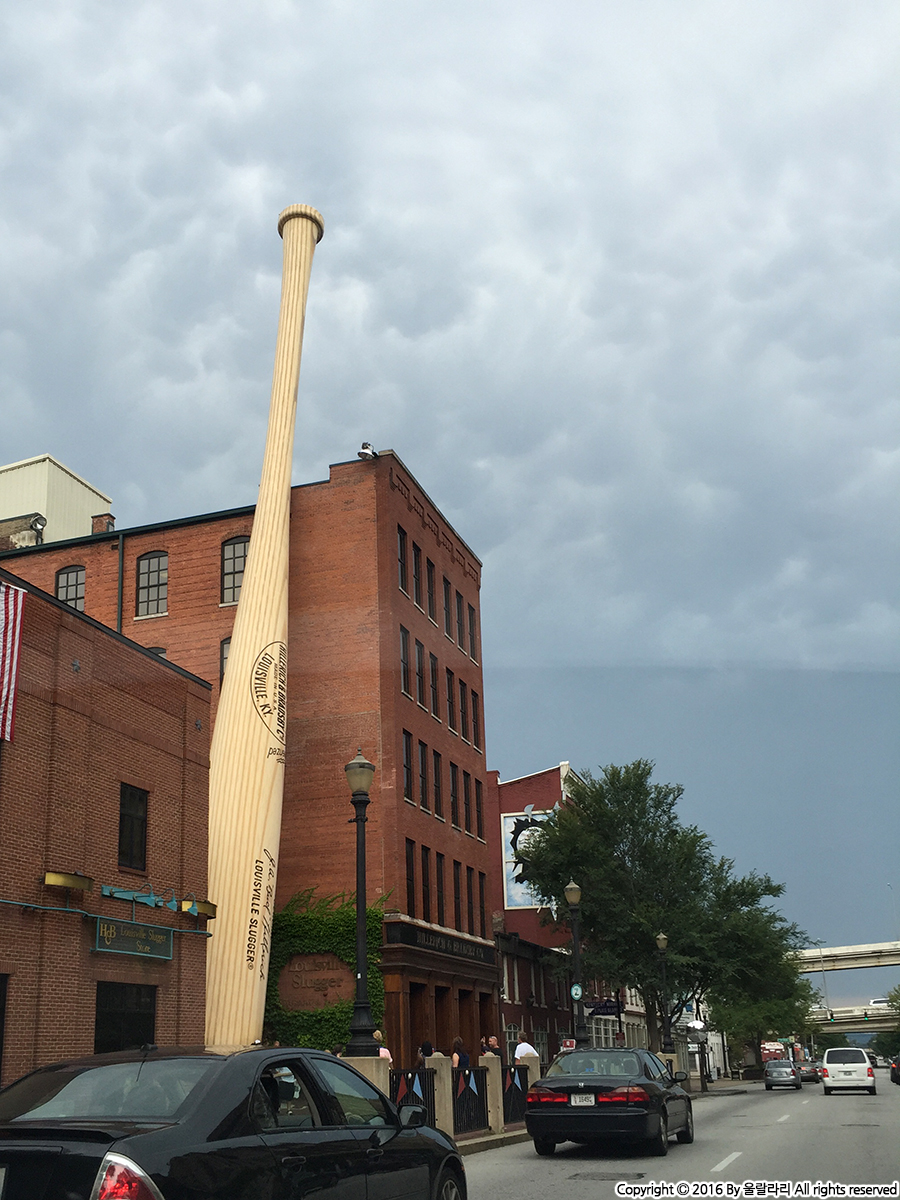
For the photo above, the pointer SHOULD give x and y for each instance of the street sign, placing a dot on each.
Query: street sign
(606, 1008)
(576, 991)
(620, 1038)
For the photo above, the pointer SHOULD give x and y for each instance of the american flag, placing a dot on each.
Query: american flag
(12, 604)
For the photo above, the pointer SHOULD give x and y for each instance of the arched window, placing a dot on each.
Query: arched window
(70, 587)
(152, 584)
(234, 558)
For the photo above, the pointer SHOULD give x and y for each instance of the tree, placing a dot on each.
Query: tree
(886, 1043)
(642, 872)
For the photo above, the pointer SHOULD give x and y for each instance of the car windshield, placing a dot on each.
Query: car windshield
(778, 1066)
(594, 1063)
(144, 1090)
(846, 1056)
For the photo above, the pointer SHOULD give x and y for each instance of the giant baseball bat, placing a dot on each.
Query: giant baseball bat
(246, 779)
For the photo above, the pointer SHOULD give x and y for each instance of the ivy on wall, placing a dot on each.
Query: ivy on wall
(307, 925)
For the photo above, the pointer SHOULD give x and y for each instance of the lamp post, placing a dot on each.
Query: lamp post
(360, 773)
(668, 1046)
(573, 899)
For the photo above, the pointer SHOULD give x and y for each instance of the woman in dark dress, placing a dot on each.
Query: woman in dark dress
(460, 1055)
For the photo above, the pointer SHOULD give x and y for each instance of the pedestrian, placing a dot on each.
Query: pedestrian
(525, 1047)
(337, 1050)
(493, 1047)
(383, 1051)
(460, 1057)
(425, 1052)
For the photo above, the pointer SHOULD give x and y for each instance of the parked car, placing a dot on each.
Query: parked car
(177, 1123)
(809, 1071)
(847, 1067)
(895, 1069)
(780, 1072)
(589, 1095)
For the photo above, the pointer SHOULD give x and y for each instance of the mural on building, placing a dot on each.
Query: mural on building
(517, 828)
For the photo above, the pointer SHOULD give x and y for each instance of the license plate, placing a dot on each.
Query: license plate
(582, 1098)
(848, 1073)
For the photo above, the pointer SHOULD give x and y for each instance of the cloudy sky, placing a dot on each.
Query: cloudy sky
(617, 281)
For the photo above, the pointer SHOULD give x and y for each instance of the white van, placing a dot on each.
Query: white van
(847, 1067)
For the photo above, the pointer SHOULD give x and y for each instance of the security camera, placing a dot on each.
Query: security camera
(367, 451)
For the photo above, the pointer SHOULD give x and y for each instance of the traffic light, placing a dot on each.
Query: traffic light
(865, 1014)
(830, 1015)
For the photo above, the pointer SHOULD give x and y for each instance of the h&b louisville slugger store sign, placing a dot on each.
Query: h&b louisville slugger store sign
(131, 937)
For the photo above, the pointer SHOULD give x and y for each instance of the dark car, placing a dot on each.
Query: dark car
(192, 1124)
(780, 1072)
(809, 1071)
(895, 1069)
(589, 1095)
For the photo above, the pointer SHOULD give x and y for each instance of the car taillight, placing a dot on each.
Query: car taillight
(871, 1073)
(539, 1095)
(635, 1095)
(824, 1072)
(121, 1179)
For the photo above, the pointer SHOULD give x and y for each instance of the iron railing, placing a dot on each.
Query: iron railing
(515, 1085)
(470, 1108)
(414, 1087)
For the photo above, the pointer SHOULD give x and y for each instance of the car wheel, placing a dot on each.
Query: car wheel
(798, 1086)
(686, 1135)
(768, 1087)
(872, 1091)
(827, 1091)
(658, 1146)
(449, 1186)
(543, 1147)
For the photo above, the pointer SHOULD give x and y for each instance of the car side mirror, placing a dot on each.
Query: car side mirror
(680, 1076)
(412, 1116)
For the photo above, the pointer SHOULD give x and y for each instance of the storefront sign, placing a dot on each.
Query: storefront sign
(398, 932)
(131, 937)
(314, 981)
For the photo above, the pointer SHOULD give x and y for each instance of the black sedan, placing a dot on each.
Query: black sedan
(204, 1124)
(589, 1095)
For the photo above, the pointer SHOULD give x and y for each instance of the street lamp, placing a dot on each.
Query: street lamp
(668, 1045)
(360, 773)
(573, 899)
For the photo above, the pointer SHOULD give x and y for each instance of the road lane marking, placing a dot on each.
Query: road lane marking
(785, 1117)
(804, 1102)
(725, 1161)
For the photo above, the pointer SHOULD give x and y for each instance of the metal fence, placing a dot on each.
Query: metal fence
(515, 1085)
(414, 1087)
(470, 1107)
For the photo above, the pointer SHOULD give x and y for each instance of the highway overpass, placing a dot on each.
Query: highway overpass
(853, 1020)
(846, 958)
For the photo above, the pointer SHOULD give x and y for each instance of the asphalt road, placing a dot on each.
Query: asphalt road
(782, 1135)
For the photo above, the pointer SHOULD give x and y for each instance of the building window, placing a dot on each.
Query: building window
(70, 587)
(457, 895)
(152, 583)
(482, 921)
(451, 700)
(454, 795)
(417, 575)
(470, 897)
(467, 801)
(407, 766)
(410, 877)
(423, 776)
(420, 673)
(463, 711)
(448, 618)
(473, 635)
(429, 588)
(460, 621)
(234, 559)
(402, 569)
(479, 810)
(435, 687)
(437, 770)
(426, 884)
(404, 661)
(133, 827)
(125, 1017)
(439, 887)
(224, 647)
(476, 721)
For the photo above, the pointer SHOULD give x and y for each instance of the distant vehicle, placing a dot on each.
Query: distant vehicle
(592, 1094)
(847, 1067)
(809, 1072)
(780, 1072)
(881, 1001)
(895, 1069)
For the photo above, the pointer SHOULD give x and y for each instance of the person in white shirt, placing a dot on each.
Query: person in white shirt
(525, 1047)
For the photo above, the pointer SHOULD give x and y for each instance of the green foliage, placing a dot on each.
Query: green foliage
(307, 925)
(829, 1041)
(642, 872)
(754, 1019)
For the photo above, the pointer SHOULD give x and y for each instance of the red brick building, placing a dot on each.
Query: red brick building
(384, 653)
(103, 797)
